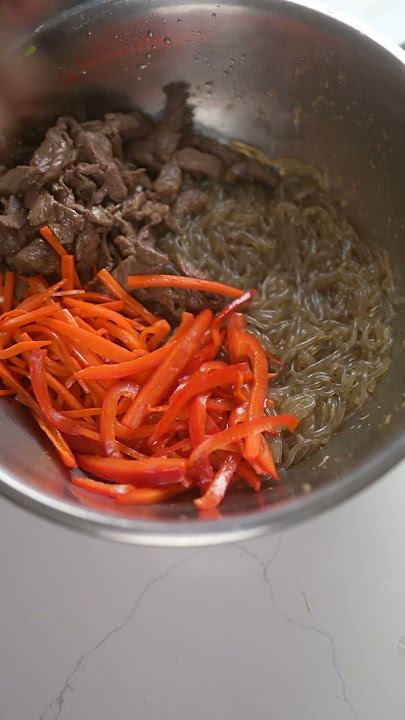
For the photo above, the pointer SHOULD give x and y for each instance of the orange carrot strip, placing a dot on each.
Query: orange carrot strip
(4, 393)
(68, 271)
(148, 281)
(64, 393)
(21, 347)
(96, 344)
(28, 317)
(125, 369)
(8, 291)
(57, 441)
(119, 292)
(90, 310)
(53, 241)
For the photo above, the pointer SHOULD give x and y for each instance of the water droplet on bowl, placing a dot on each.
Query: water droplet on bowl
(178, 20)
(213, 15)
(142, 67)
(166, 40)
(148, 55)
(149, 33)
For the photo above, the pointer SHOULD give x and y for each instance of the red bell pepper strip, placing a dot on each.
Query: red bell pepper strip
(218, 487)
(265, 461)
(197, 384)
(156, 387)
(247, 346)
(236, 323)
(197, 420)
(100, 488)
(239, 432)
(109, 413)
(152, 472)
(150, 496)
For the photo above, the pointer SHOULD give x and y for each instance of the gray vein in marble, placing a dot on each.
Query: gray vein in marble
(56, 704)
(265, 568)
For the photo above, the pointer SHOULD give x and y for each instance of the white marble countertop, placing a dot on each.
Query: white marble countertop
(304, 625)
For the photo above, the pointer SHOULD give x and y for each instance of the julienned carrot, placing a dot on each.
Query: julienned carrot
(9, 325)
(21, 347)
(125, 369)
(68, 271)
(119, 292)
(53, 241)
(96, 344)
(57, 441)
(190, 283)
(152, 421)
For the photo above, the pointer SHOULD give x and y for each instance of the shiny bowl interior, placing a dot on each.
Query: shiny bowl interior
(295, 80)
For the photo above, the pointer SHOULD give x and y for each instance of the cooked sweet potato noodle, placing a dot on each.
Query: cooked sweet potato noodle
(325, 302)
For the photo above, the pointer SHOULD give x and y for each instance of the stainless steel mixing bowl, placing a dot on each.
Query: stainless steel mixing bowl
(293, 79)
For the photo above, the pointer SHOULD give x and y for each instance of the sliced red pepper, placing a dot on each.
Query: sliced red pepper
(150, 496)
(197, 420)
(265, 461)
(127, 389)
(216, 491)
(197, 384)
(155, 389)
(239, 432)
(101, 488)
(152, 472)
(247, 346)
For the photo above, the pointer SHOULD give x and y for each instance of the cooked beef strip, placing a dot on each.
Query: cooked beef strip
(189, 201)
(55, 153)
(250, 171)
(14, 216)
(37, 258)
(20, 178)
(199, 164)
(109, 189)
(168, 183)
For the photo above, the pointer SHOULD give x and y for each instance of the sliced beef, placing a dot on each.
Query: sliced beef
(20, 179)
(145, 260)
(177, 115)
(198, 163)
(213, 147)
(37, 258)
(169, 181)
(105, 259)
(64, 221)
(100, 216)
(143, 152)
(250, 171)
(95, 148)
(136, 180)
(131, 125)
(11, 242)
(140, 208)
(189, 201)
(86, 251)
(82, 186)
(14, 216)
(55, 153)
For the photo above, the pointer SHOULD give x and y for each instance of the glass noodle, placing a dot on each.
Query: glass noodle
(324, 304)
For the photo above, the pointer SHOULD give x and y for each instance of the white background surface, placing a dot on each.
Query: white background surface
(304, 625)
